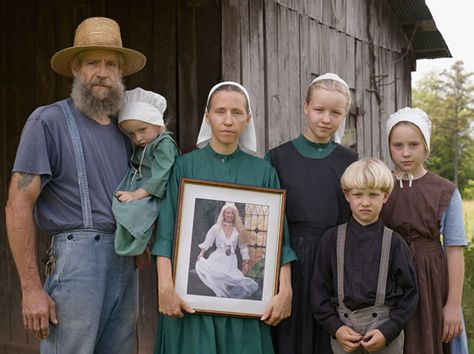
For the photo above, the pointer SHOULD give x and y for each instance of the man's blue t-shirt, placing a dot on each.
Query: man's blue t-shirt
(45, 149)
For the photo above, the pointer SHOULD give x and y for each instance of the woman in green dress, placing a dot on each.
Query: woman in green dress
(226, 132)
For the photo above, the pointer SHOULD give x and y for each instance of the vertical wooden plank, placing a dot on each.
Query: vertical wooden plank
(284, 123)
(359, 96)
(294, 93)
(339, 13)
(187, 76)
(351, 18)
(163, 58)
(138, 29)
(325, 49)
(256, 78)
(272, 97)
(230, 36)
(375, 111)
(21, 96)
(362, 19)
(368, 117)
(327, 13)
(341, 58)
(390, 102)
(335, 59)
(315, 9)
(377, 23)
(350, 62)
(4, 178)
(314, 42)
(305, 65)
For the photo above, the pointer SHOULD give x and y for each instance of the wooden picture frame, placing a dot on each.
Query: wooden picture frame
(214, 283)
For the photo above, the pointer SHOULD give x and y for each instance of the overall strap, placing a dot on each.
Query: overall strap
(80, 166)
(340, 244)
(383, 268)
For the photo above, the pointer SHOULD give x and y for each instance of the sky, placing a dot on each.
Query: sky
(454, 19)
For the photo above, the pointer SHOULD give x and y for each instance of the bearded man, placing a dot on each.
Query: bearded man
(70, 159)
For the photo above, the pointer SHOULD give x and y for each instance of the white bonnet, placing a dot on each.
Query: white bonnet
(143, 105)
(412, 115)
(248, 139)
(331, 76)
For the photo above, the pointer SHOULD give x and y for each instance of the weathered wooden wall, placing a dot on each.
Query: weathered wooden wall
(275, 48)
(181, 40)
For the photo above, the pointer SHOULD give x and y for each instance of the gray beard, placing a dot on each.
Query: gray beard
(95, 107)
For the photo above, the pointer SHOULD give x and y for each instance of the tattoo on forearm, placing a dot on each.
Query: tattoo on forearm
(24, 180)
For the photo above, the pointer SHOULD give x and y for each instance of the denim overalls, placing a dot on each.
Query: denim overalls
(366, 319)
(95, 290)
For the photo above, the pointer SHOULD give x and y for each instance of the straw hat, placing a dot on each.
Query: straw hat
(98, 33)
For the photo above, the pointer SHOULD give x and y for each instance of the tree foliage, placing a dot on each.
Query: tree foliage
(448, 98)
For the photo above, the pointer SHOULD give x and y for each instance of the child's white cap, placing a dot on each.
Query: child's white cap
(330, 76)
(143, 105)
(412, 115)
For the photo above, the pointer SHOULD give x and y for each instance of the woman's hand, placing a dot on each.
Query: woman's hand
(280, 306)
(169, 302)
(245, 266)
(200, 255)
(452, 323)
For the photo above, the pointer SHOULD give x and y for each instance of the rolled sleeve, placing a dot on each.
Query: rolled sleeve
(164, 156)
(452, 222)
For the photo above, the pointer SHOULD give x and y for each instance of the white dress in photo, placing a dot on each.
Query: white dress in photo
(220, 270)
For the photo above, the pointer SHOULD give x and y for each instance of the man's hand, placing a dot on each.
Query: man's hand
(39, 310)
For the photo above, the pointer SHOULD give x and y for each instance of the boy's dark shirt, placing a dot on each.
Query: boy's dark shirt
(361, 267)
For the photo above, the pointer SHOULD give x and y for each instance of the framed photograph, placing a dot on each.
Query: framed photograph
(227, 246)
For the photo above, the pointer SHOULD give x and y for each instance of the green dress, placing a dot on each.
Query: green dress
(150, 168)
(209, 334)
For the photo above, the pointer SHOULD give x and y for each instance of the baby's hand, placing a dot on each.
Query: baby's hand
(373, 341)
(125, 197)
(348, 338)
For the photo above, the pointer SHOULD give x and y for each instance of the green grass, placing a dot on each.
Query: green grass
(468, 293)
(468, 206)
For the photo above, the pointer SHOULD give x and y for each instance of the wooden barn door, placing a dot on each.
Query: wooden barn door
(181, 40)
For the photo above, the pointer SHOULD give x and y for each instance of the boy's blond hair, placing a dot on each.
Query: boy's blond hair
(367, 173)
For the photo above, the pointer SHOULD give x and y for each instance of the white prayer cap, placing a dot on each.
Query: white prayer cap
(331, 76)
(248, 139)
(142, 105)
(412, 115)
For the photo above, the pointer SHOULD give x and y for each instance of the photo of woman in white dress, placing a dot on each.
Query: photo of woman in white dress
(220, 271)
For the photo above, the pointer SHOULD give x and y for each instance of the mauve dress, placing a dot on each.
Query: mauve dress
(415, 212)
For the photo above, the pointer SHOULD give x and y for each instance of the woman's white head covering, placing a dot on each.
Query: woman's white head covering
(331, 76)
(415, 116)
(248, 139)
(142, 105)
